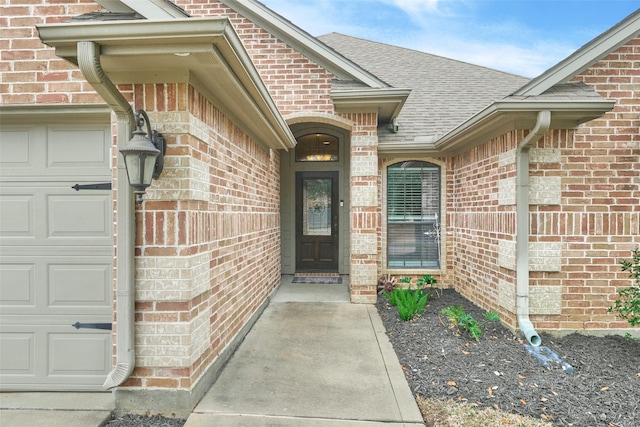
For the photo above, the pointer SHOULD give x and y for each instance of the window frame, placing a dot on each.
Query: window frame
(407, 269)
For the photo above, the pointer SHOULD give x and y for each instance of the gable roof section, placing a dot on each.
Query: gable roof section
(303, 42)
(364, 91)
(569, 104)
(370, 92)
(584, 57)
(444, 92)
(445, 115)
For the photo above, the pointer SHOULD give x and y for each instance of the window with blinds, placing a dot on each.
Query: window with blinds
(413, 207)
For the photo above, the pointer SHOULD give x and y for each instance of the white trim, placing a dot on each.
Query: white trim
(133, 51)
(443, 219)
(303, 42)
(584, 57)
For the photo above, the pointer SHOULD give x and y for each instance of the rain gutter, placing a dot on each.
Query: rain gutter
(89, 63)
(522, 226)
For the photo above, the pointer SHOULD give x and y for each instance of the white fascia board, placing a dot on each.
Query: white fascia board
(387, 101)
(497, 119)
(146, 51)
(584, 57)
(506, 115)
(303, 42)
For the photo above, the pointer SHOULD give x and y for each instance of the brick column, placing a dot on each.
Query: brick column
(364, 209)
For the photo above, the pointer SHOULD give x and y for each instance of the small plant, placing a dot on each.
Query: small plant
(428, 280)
(408, 301)
(392, 296)
(627, 306)
(463, 321)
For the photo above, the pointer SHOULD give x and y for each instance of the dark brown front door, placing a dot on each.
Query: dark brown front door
(317, 221)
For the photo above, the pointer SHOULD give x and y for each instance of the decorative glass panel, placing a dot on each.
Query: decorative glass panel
(413, 204)
(316, 207)
(317, 147)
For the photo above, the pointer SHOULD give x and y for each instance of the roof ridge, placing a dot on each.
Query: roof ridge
(421, 52)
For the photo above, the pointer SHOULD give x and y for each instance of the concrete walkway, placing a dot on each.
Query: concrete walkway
(311, 359)
(65, 409)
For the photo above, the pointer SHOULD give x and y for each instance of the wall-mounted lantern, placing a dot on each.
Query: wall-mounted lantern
(143, 156)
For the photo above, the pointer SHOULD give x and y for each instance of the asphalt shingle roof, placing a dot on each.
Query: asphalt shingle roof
(444, 92)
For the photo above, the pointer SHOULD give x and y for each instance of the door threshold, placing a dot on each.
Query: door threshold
(316, 274)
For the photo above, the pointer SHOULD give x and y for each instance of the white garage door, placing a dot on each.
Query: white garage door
(56, 252)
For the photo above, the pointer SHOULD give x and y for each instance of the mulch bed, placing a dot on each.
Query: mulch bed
(498, 372)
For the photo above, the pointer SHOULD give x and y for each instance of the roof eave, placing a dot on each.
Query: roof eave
(504, 116)
(498, 119)
(584, 57)
(387, 102)
(205, 52)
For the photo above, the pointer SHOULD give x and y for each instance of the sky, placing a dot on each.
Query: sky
(523, 37)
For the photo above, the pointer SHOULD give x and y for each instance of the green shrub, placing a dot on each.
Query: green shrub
(411, 303)
(627, 306)
(408, 301)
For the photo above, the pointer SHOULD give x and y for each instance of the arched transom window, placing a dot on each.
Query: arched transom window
(317, 147)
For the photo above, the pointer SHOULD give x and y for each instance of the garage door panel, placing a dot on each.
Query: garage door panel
(17, 151)
(17, 215)
(17, 352)
(56, 255)
(55, 151)
(54, 214)
(17, 284)
(79, 354)
(80, 285)
(79, 216)
(77, 149)
(53, 357)
(72, 285)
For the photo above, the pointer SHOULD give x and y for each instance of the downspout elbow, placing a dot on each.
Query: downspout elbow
(89, 63)
(522, 227)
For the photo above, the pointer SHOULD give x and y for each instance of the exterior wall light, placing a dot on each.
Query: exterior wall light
(143, 156)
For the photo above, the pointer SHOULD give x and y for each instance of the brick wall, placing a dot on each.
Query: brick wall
(584, 210)
(30, 73)
(478, 221)
(207, 258)
(601, 196)
(295, 83)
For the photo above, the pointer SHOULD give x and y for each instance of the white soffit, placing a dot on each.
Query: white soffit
(205, 52)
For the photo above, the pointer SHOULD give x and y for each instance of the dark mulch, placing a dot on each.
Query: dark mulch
(130, 420)
(498, 372)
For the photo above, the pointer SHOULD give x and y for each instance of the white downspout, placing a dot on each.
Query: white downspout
(522, 226)
(89, 63)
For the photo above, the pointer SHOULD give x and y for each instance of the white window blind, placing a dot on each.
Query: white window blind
(413, 207)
